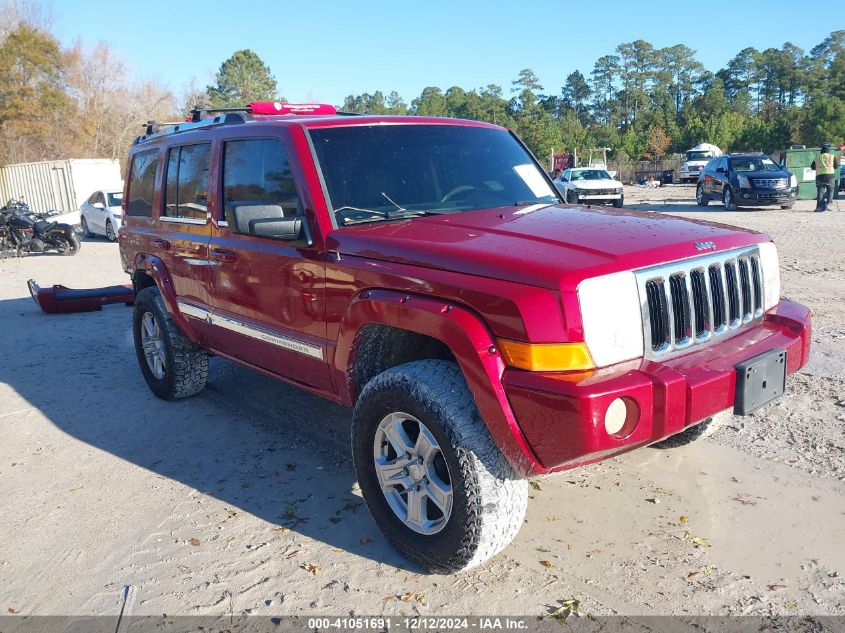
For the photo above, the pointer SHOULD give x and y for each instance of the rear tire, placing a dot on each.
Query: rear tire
(486, 503)
(172, 365)
(72, 245)
(700, 198)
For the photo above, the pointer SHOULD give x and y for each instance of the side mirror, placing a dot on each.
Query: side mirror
(98, 205)
(265, 220)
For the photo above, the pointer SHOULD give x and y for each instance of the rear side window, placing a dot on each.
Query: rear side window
(257, 171)
(186, 187)
(142, 183)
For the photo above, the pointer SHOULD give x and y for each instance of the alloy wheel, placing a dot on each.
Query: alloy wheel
(412, 473)
(152, 343)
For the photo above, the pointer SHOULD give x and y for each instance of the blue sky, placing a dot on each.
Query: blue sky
(326, 50)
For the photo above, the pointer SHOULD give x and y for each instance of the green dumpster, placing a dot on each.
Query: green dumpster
(798, 161)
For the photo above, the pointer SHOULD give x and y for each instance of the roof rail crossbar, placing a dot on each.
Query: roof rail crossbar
(198, 114)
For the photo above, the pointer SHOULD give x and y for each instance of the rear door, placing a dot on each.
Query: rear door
(268, 295)
(183, 224)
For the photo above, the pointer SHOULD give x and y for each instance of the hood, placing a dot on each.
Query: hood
(604, 183)
(542, 245)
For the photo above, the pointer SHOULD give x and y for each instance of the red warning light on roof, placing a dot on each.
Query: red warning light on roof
(279, 107)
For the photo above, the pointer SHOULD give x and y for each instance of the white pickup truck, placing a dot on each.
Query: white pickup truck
(695, 160)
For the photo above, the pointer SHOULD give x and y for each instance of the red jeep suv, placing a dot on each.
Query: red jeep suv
(426, 272)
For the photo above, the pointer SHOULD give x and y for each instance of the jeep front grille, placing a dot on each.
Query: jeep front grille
(693, 302)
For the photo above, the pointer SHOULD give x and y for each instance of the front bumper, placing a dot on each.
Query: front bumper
(765, 197)
(598, 196)
(563, 421)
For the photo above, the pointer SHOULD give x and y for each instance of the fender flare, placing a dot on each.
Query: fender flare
(469, 340)
(155, 268)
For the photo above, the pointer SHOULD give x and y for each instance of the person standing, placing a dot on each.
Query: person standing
(825, 167)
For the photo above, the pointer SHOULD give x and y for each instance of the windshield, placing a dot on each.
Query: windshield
(753, 163)
(115, 199)
(699, 155)
(590, 174)
(375, 173)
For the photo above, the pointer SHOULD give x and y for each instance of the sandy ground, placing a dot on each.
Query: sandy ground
(243, 499)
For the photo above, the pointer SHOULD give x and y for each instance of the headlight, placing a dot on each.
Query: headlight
(743, 182)
(771, 274)
(793, 181)
(612, 318)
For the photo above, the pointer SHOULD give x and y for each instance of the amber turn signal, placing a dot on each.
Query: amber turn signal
(546, 356)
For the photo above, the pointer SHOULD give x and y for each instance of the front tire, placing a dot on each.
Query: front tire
(86, 232)
(700, 198)
(571, 197)
(619, 203)
(434, 481)
(171, 364)
(786, 207)
(728, 199)
(110, 234)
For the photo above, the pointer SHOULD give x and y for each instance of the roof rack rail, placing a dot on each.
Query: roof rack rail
(225, 116)
(154, 129)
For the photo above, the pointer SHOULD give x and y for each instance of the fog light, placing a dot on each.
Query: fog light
(621, 417)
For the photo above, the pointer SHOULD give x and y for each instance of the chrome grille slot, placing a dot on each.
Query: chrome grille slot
(758, 286)
(732, 288)
(700, 302)
(745, 287)
(717, 294)
(694, 302)
(658, 313)
(680, 307)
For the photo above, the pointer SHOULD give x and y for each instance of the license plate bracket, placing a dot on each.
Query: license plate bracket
(759, 380)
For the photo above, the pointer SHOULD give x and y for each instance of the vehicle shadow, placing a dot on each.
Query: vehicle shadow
(256, 444)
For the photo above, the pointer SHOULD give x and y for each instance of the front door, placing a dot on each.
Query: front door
(268, 295)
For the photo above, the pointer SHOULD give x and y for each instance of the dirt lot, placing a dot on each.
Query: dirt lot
(243, 499)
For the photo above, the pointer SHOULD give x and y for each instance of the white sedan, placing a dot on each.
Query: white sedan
(102, 213)
(590, 185)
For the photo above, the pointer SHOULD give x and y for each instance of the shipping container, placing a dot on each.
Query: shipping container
(62, 185)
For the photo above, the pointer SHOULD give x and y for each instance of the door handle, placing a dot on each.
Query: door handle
(222, 255)
(162, 244)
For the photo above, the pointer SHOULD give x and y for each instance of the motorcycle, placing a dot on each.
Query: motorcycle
(23, 232)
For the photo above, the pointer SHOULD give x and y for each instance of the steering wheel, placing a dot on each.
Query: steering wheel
(456, 191)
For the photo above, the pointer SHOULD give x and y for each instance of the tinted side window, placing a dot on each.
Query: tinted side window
(186, 185)
(101, 199)
(142, 183)
(257, 171)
